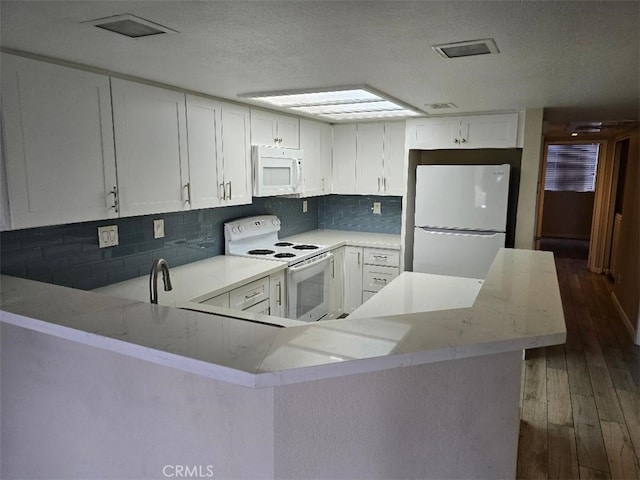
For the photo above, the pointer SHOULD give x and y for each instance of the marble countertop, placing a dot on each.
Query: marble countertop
(517, 307)
(420, 292)
(212, 276)
(338, 238)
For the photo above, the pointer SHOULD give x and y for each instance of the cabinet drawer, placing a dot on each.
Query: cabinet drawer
(248, 295)
(376, 277)
(262, 308)
(367, 295)
(379, 256)
(218, 301)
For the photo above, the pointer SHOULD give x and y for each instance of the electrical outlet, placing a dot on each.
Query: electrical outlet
(304, 206)
(108, 236)
(158, 228)
(376, 208)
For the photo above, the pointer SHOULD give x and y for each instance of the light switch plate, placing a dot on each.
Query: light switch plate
(108, 236)
(376, 208)
(304, 206)
(158, 228)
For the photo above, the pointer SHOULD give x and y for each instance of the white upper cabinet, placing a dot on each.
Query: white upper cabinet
(219, 153)
(151, 148)
(477, 131)
(344, 159)
(369, 158)
(235, 159)
(315, 142)
(376, 166)
(203, 138)
(273, 129)
(395, 163)
(60, 164)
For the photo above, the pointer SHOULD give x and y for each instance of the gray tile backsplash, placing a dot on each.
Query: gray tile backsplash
(69, 255)
(354, 213)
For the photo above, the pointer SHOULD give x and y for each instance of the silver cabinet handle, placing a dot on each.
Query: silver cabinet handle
(463, 140)
(378, 257)
(280, 140)
(279, 287)
(188, 187)
(229, 195)
(247, 297)
(333, 268)
(358, 258)
(384, 184)
(224, 192)
(383, 280)
(457, 140)
(275, 140)
(114, 192)
(378, 183)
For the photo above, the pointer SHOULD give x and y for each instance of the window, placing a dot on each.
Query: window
(572, 167)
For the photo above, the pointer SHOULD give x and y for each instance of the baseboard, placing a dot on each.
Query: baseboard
(625, 318)
(564, 236)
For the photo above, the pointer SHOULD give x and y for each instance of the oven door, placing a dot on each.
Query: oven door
(308, 289)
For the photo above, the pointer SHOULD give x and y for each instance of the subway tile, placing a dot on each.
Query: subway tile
(64, 250)
(38, 238)
(121, 276)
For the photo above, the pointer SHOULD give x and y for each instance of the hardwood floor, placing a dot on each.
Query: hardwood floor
(580, 413)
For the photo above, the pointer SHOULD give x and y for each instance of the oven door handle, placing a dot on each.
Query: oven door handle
(304, 266)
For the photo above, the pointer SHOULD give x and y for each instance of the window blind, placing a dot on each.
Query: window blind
(572, 167)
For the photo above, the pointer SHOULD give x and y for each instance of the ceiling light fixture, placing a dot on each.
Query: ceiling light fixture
(337, 103)
(468, 48)
(130, 26)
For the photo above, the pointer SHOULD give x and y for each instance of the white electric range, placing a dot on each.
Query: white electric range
(308, 264)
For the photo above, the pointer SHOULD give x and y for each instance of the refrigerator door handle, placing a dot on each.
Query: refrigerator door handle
(450, 231)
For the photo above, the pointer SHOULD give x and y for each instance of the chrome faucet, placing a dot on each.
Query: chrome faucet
(160, 263)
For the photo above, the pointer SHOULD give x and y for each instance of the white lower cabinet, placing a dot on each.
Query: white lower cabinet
(221, 300)
(278, 295)
(353, 263)
(367, 271)
(336, 289)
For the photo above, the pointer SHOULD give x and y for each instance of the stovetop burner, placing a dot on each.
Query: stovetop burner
(305, 247)
(283, 244)
(284, 255)
(260, 251)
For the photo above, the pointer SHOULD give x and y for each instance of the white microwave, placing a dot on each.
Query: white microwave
(276, 171)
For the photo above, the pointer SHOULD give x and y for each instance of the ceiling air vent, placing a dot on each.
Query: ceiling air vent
(440, 106)
(130, 26)
(466, 49)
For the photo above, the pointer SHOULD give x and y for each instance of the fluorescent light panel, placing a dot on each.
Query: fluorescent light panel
(337, 104)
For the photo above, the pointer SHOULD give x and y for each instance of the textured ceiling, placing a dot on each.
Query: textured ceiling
(577, 59)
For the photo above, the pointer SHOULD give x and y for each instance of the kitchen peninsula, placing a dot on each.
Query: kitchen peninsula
(96, 386)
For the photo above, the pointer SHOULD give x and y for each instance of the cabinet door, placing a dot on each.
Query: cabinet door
(204, 141)
(353, 259)
(369, 158)
(344, 159)
(277, 295)
(264, 128)
(221, 300)
(151, 151)
(273, 129)
(433, 133)
(336, 300)
(60, 162)
(288, 131)
(315, 142)
(235, 155)
(394, 182)
(489, 131)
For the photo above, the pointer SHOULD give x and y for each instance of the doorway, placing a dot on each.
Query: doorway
(620, 160)
(567, 196)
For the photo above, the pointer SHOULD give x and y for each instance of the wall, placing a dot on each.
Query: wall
(626, 290)
(567, 214)
(77, 412)
(68, 255)
(527, 214)
(450, 419)
(354, 213)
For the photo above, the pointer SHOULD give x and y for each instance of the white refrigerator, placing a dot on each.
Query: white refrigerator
(460, 218)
